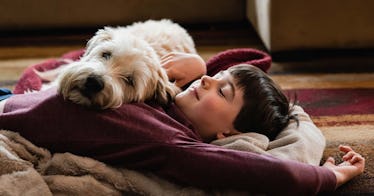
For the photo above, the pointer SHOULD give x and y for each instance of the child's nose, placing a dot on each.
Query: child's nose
(207, 82)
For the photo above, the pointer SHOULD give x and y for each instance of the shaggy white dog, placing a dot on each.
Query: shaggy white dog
(122, 65)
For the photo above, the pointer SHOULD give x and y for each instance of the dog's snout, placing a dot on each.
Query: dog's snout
(93, 85)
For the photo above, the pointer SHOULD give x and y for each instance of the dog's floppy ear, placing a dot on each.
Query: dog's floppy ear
(100, 36)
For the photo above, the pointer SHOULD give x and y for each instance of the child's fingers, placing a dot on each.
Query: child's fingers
(345, 149)
(330, 160)
(173, 54)
(168, 63)
(165, 60)
(349, 155)
(356, 158)
(168, 55)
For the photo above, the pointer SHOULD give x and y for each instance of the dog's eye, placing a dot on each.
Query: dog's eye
(106, 55)
(129, 80)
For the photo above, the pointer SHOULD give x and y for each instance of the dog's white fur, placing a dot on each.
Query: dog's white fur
(126, 60)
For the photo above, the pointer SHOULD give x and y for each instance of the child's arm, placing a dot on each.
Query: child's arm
(183, 68)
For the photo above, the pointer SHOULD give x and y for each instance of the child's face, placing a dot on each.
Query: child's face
(212, 104)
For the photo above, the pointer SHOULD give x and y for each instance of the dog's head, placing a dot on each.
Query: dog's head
(116, 68)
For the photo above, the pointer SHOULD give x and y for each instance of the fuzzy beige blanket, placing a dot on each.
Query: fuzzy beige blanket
(26, 169)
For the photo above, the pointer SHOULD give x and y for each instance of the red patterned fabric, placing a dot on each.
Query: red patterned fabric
(29, 80)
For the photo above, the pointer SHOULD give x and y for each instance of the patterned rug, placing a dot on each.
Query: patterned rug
(342, 105)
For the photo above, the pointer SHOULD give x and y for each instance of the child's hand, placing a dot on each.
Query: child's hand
(353, 165)
(183, 68)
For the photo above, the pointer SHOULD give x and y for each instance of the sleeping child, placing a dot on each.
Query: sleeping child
(273, 127)
(173, 141)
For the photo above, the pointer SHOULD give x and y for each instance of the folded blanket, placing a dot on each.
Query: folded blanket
(19, 161)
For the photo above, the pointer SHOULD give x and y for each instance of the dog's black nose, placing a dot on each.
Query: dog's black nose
(93, 85)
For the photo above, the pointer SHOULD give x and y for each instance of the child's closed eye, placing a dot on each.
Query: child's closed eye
(221, 93)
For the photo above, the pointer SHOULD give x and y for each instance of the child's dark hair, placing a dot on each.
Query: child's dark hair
(266, 109)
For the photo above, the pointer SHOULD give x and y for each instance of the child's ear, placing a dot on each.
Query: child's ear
(227, 133)
(221, 135)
